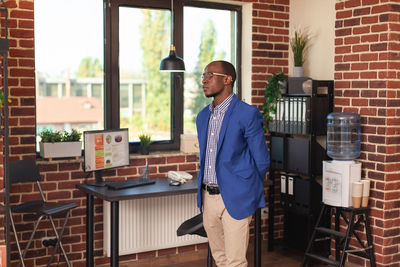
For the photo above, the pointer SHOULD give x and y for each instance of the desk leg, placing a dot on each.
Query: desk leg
(114, 233)
(271, 213)
(89, 230)
(257, 238)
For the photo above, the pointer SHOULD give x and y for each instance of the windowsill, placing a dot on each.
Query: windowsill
(163, 154)
(152, 154)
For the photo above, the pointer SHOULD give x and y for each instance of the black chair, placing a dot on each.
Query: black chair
(26, 171)
(194, 226)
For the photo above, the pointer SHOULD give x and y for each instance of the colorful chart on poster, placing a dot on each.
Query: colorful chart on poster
(106, 149)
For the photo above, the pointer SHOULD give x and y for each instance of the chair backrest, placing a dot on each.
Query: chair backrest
(23, 171)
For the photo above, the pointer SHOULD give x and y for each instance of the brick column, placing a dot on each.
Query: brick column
(22, 118)
(21, 83)
(270, 43)
(367, 81)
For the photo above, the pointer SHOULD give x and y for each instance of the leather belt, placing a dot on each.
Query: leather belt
(212, 190)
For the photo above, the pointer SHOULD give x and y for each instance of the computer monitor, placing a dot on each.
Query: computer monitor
(105, 149)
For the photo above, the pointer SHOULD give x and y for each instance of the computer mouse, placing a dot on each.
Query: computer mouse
(174, 183)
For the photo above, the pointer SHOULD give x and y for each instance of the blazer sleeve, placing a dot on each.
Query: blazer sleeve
(254, 134)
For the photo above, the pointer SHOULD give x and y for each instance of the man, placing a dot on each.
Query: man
(233, 162)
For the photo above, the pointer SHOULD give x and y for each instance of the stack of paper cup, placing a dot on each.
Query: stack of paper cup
(365, 193)
(356, 194)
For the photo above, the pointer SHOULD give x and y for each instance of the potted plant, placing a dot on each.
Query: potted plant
(298, 43)
(145, 141)
(273, 92)
(57, 144)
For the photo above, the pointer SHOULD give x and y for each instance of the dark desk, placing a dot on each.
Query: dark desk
(160, 188)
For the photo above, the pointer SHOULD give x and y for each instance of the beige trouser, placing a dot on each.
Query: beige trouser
(228, 237)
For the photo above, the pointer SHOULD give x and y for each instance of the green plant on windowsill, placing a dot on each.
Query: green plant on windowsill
(50, 136)
(273, 88)
(145, 142)
(145, 139)
(73, 136)
(60, 144)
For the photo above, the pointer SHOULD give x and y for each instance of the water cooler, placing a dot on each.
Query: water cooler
(339, 175)
(343, 146)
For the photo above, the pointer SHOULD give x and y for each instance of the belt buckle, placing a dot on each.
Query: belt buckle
(211, 189)
(206, 187)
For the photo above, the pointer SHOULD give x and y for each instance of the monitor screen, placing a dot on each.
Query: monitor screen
(105, 149)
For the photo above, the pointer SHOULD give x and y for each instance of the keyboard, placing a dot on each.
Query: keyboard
(116, 185)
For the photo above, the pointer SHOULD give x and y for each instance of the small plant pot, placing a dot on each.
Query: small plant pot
(60, 149)
(144, 150)
(298, 72)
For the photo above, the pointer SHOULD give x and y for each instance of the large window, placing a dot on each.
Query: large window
(144, 91)
(69, 64)
(131, 91)
(209, 34)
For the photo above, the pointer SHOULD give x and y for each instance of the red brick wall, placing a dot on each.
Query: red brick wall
(367, 81)
(270, 44)
(269, 55)
(21, 79)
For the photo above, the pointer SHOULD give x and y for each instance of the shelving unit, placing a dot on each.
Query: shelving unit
(4, 48)
(298, 136)
(356, 220)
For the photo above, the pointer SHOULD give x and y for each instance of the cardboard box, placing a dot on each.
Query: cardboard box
(189, 143)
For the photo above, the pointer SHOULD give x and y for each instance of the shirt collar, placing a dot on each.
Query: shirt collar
(223, 106)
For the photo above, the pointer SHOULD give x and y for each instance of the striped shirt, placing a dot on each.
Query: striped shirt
(214, 126)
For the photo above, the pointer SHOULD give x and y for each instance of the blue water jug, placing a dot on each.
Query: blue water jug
(343, 135)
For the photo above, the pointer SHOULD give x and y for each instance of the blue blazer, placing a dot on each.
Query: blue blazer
(242, 158)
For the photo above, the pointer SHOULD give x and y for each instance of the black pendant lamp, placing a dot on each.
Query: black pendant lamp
(172, 63)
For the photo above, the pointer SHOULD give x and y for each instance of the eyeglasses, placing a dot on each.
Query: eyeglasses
(208, 75)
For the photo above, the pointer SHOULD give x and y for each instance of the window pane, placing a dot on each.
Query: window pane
(69, 64)
(145, 93)
(214, 39)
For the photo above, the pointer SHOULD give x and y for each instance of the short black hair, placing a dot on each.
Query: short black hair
(228, 69)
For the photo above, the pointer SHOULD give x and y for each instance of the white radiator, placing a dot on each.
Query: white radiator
(150, 224)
